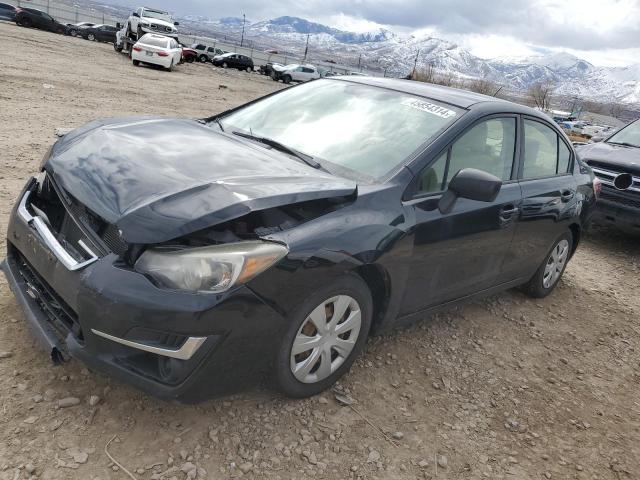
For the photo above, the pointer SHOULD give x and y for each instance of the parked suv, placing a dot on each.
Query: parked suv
(616, 162)
(197, 257)
(206, 53)
(31, 17)
(233, 60)
(149, 20)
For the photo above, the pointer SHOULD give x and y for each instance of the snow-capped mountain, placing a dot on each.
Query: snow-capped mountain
(385, 50)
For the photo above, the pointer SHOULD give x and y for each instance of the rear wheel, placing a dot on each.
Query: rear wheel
(26, 22)
(203, 58)
(224, 65)
(136, 63)
(325, 336)
(249, 69)
(548, 275)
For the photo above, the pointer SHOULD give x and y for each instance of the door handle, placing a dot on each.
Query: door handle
(507, 211)
(567, 195)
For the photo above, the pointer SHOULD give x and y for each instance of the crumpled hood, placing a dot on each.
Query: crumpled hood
(158, 179)
(605, 155)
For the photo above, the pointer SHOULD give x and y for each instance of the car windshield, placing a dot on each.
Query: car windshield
(629, 135)
(156, 14)
(154, 41)
(366, 132)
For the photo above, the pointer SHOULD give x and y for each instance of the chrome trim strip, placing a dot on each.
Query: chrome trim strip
(185, 352)
(612, 175)
(51, 241)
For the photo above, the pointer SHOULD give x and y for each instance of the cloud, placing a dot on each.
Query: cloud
(579, 25)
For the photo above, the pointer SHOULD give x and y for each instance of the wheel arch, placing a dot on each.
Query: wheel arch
(379, 283)
(576, 233)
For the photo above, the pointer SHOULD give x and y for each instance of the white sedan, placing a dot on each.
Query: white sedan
(157, 50)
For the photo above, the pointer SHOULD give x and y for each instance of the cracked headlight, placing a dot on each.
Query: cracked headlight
(212, 269)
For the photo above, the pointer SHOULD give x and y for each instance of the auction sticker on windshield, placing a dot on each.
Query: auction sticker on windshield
(428, 107)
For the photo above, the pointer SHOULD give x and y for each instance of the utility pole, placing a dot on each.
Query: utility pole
(415, 64)
(244, 19)
(359, 60)
(306, 49)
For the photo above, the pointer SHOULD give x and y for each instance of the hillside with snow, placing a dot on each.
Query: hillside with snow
(384, 50)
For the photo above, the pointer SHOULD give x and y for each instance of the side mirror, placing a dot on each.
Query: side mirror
(176, 24)
(135, 14)
(597, 138)
(472, 184)
(118, 26)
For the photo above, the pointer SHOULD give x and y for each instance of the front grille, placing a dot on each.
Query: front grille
(107, 232)
(76, 213)
(61, 316)
(627, 199)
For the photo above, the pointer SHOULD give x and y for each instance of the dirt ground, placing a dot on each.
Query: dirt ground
(504, 388)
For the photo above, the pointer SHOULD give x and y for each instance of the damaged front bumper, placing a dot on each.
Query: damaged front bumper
(174, 345)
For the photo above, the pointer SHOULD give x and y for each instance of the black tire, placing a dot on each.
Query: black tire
(224, 65)
(536, 286)
(274, 77)
(189, 59)
(170, 67)
(284, 378)
(73, 33)
(91, 37)
(136, 63)
(116, 47)
(26, 22)
(139, 33)
(286, 79)
(203, 58)
(249, 69)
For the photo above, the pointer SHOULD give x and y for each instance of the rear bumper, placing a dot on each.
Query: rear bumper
(154, 60)
(102, 313)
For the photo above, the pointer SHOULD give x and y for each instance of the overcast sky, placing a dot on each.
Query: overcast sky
(604, 32)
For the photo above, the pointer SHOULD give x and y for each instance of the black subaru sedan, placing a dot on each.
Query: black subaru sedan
(196, 257)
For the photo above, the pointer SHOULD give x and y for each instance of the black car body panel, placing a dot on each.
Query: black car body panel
(241, 62)
(100, 33)
(161, 179)
(136, 183)
(31, 17)
(618, 168)
(7, 12)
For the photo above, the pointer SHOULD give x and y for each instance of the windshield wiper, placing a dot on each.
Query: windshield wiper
(283, 148)
(625, 144)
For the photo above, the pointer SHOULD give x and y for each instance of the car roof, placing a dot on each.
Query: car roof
(453, 96)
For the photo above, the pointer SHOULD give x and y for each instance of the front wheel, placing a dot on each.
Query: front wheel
(326, 334)
(286, 79)
(549, 273)
(203, 58)
(249, 69)
(73, 33)
(91, 37)
(136, 63)
(224, 65)
(116, 47)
